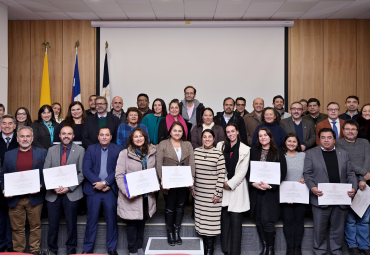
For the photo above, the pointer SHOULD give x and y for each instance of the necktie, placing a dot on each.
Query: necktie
(7, 142)
(64, 157)
(335, 129)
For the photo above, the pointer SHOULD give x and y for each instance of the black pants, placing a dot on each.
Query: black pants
(293, 215)
(175, 203)
(135, 230)
(231, 231)
(261, 213)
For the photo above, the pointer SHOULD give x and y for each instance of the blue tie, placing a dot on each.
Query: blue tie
(335, 129)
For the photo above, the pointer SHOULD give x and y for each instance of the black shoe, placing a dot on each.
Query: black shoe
(114, 252)
(290, 249)
(10, 249)
(263, 240)
(3, 249)
(73, 251)
(270, 250)
(298, 249)
(178, 239)
(204, 244)
(354, 251)
(210, 245)
(170, 236)
(365, 252)
(270, 242)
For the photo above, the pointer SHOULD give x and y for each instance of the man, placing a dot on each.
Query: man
(101, 119)
(240, 106)
(8, 141)
(25, 158)
(278, 103)
(92, 109)
(328, 164)
(357, 229)
(64, 199)
(332, 122)
(253, 120)
(352, 108)
(117, 104)
(2, 110)
(303, 128)
(190, 108)
(143, 105)
(314, 114)
(101, 189)
(228, 115)
(304, 104)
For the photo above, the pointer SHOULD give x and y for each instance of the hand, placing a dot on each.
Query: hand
(257, 185)
(130, 197)
(8, 196)
(226, 186)
(193, 192)
(265, 185)
(62, 190)
(362, 185)
(106, 189)
(98, 185)
(317, 192)
(290, 203)
(303, 148)
(367, 176)
(162, 184)
(301, 180)
(215, 199)
(351, 193)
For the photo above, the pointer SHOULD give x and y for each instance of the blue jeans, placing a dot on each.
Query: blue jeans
(357, 230)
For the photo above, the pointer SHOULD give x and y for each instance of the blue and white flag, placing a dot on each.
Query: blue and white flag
(106, 88)
(76, 89)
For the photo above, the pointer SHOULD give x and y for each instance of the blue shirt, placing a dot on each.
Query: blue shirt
(299, 131)
(61, 151)
(124, 131)
(103, 164)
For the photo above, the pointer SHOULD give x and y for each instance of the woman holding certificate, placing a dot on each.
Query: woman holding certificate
(175, 151)
(265, 201)
(293, 214)
(235, 199)
(207, 192)
(135, 209)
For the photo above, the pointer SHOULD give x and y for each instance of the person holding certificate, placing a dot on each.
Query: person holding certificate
(265, 201)
(235, 198)
(207, 192)
(135, 209)
(175, 151)
(293, 214)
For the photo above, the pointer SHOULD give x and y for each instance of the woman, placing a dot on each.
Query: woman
(57, 109)
(44, 127)
(206, 122)
(133, 114)
(293, 214)
(23, 117)
(207, 192)
(75, 119)
(265, 197)
(363, 121)
(175, 151)
(152, 120)
(174, 115)
(137, 157)
(235, 198)
(271, 120)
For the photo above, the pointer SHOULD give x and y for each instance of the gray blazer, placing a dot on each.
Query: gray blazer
(309, 131)
(75, 156)
(314, 171)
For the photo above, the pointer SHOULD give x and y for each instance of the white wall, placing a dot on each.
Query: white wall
(4, 55)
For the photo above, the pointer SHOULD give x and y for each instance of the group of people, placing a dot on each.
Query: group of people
(310, 147)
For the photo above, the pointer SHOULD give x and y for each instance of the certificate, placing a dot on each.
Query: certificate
(361, 201)
(176, 176)
(21, 183)
(141, 182)
(65, 176)
(334, 193)
(268, 172)
(294, 192)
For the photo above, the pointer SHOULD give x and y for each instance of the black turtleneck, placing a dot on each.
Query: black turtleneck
(331, 162)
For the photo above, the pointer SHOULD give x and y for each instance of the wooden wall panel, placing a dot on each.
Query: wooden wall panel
(72, 31)
(19, 86)
(339, 61)
(52, 32)
(363, 61)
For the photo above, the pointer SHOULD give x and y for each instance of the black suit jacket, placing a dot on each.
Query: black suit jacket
(238, 120)
(90, 129)
(41, 135)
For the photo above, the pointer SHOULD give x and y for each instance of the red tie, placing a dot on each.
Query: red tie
(64, 157)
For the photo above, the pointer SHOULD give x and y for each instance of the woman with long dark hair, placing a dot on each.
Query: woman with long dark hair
(152, 120)
(363, 121)
(44, 128)
(23, 117)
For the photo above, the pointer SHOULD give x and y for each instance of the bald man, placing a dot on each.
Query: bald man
(253, 120)
(117, 104)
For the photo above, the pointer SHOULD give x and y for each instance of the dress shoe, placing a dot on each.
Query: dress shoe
(298, 249)
(10, 249)
(354, 251)
(170, 236)
(178, 239)
(114, 252)
(365, 252)
(73, 251)
(3, 249)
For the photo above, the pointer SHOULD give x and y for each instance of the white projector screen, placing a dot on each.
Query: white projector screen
(219, 62)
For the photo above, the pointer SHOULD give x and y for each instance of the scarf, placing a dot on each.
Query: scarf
(208, 127)
(170, 119)
(232, 161)
(143, 158)
(51, 130)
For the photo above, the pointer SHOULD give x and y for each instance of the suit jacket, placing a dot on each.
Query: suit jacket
(326, 124)
(91, 167)
(76, 156)
(90, 129)
(238, 120)
(309, 130)
(123, 118)
(322, 117)
(162, 130)
(196, 135)
(251, 123)
(41, 135)
(315, 172)
(10, 166)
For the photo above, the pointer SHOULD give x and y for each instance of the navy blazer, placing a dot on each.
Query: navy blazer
(10, 166)
(91, 167)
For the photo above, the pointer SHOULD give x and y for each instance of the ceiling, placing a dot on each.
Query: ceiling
(186, 9)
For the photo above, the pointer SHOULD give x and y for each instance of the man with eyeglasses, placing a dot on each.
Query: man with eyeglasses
(332, 122)
(143, 105)
(303, 128)
(93, 123)
(240, 106)
(190, 108)
(356, 229)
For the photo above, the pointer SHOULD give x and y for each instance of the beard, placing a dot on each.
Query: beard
(25, 144)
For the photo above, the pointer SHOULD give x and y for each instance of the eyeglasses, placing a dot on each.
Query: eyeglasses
(332, 110)
(240, 104)
(189, 93)
(142, 100)
(100, 104)
(350, 129)
(296, 109)
(21, 113)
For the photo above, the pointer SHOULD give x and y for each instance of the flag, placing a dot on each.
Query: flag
(106, 88)
(45, 85)
(76, 89)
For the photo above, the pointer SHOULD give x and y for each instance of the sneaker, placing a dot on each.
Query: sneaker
(354, 251)
(365, 252)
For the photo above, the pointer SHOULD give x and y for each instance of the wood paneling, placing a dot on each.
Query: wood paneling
(363, 61)
(19, 83)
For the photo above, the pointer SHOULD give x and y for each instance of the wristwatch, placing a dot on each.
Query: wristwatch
(270, 187)
(105, 183)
